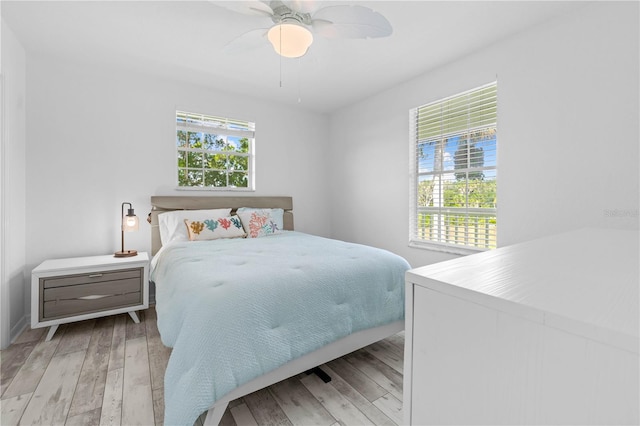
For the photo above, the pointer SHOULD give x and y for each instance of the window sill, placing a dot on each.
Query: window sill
(445, 248)
(199, 188)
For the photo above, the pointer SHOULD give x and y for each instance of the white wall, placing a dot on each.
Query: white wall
(100, 137)
(12, 251)
(567, 134)
(97, 137)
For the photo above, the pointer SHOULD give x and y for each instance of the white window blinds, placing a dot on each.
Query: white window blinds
(454, 171)
(214, 152)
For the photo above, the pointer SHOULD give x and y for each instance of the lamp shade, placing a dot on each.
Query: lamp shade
(130, 222)
(290, 40)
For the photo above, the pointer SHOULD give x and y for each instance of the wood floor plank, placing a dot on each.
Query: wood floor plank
(372, 412)
(150, 314)
(111, 414)
(76, 337)
(31, 335)
(137, 398)
(91, 384)
(356, 378)
(242, 415)
(235, 402)
(116, 357)
(227, 419)
(299, 404)
(336, 404)
(88, 418)
(388, 354)
(136, 330)
(391, 406)
(158, 406)
(12, 360)
(397, 340)
(378, 371)
(265, 409)
(51, 400)
(388, 345)
(29, 375)
(11, 409)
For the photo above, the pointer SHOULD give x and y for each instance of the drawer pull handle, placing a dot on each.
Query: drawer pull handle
(94, 296)
(95, 275)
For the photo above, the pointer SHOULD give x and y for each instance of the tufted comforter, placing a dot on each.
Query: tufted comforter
(235, 309)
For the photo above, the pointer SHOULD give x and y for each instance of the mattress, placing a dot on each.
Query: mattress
(235, 309)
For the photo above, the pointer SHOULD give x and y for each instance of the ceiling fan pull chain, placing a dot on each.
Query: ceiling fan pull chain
(280, 56)
(299, 90)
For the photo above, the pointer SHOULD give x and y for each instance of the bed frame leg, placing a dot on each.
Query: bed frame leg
(215, 413)
(320, 373)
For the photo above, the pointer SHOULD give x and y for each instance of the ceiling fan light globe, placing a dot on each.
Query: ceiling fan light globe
(290, 40)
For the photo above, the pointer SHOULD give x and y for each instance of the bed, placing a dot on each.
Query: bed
(244, 313)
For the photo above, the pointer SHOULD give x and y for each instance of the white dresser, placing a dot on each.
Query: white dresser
(543, 332)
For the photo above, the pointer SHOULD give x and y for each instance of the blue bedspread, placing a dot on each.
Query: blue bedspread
(235, 309)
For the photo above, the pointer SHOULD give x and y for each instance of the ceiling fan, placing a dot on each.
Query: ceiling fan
(295, 22)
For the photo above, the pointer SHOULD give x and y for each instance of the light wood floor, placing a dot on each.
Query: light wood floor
(110, 371)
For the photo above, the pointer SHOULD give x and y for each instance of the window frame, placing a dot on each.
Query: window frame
(415, 174)
(217, 126)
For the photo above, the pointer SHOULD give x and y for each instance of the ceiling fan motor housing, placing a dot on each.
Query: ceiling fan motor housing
(282, 14)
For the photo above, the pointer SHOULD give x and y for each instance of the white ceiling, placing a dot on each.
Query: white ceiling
(184, 40)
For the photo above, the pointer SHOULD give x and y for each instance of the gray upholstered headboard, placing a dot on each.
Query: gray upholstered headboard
(161, 204)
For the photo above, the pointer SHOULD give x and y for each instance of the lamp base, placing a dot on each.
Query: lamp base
(127, 253)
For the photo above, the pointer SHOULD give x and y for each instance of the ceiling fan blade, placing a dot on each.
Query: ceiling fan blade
(248, 41)
(350, 22)
(302, 6)
(256, 8)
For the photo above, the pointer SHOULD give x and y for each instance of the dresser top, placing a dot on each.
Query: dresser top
(74, 263)
(585, 282)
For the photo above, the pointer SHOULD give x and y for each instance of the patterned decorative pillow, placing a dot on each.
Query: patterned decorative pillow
(171, 224)
(261, 222)
(215, 228)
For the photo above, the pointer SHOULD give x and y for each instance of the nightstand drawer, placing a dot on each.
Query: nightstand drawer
(93, 277)
(72, 295)
(70, 307)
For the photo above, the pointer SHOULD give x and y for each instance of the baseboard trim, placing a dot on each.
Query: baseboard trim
(21, 326)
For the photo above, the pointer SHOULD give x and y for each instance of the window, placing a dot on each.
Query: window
(214, 152)
(454, 172)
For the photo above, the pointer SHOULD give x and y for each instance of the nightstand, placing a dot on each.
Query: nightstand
(80, 288)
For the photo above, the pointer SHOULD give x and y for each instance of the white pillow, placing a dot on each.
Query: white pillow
(172, 227)
(213, 229)
(261, 222)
